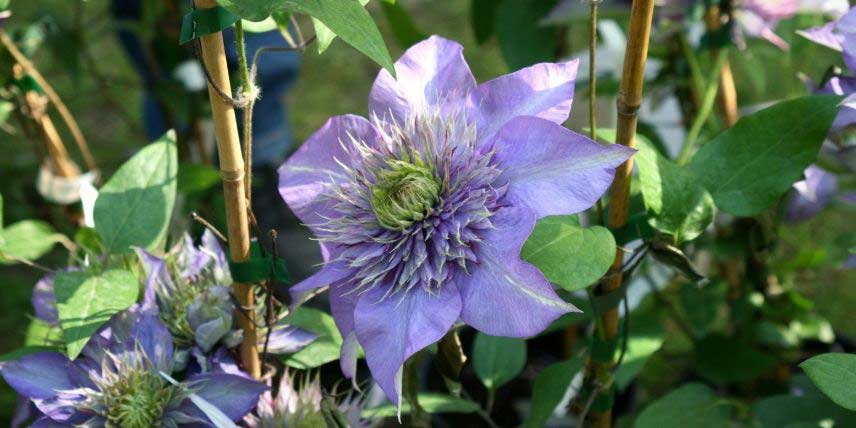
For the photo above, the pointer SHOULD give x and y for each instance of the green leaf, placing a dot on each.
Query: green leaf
(483, 17)
(522, 40)
(692, 405)
(27, 239)
(835, 375)
(806, 407)
(85, 302)
(401, 24)
(702, 305)
(646, 337)
(431, 402)
(568, 254)
(135, 206)
(345, 18)
(676, 203)
(324, 34)
(497, 360)
(748, 167)
(549, 388)
(724, 359)
(325, 348)
(196, 178)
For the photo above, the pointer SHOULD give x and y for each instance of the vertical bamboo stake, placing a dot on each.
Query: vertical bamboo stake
(629, 100)
(727, 96)
(232, 172)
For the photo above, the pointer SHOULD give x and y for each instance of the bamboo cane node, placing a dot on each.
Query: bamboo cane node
(627, 109)
(232, 176)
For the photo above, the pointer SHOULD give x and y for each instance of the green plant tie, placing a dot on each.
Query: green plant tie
(261, 266)
(201, 22)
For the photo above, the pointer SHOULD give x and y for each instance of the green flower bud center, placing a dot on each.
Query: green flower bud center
(405, 193)
(137, 400)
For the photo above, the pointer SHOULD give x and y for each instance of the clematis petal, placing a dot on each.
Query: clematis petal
(824, 35)
(149, 334)
(392, 329)
(552, 169)
(41, 374)
(156, 276)
(342, 306)
(44, 299)
(46, 422)
(307, 174)
(329, 274)
(543, 90)
(812, 195)
(233, 395)
(287, 339)
(503, 295)
(430, 73)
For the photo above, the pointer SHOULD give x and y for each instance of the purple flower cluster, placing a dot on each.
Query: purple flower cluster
(122, 379)
(189, 289)
(422, 210)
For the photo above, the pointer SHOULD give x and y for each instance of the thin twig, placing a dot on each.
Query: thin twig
(209, 226)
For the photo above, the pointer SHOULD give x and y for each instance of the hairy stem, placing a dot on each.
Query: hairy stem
(249, 98)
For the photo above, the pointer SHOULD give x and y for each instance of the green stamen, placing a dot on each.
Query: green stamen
(406, 193)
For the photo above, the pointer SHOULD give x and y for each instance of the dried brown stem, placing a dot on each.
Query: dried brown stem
(727, 97)
(67, 117)
(232, 173)
(629, 100)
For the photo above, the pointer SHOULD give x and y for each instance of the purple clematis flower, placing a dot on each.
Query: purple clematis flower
(189, 290)
(840, 35)
(812, 194)
(759, 18)
(422, 211)
(119, 381)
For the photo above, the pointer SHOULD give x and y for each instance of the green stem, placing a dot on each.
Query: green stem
(705, 109)
(418, 417)
(249, 98)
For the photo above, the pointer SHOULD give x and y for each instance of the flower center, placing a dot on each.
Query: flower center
(405, 193)
(137, 399)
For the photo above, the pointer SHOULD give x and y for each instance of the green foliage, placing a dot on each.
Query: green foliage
(497, 360)
(692, 405)
(702, 305)
(676, 203)
(401, 24)
(805, 407)
(325, 348)
(135, 206)
(646, 337)
(568, 254)
(27, 240)
(431, 402)
(197, 178)
(483, 18)
(835, 375)
(522, 41)
(347, 19)
(549, 388)
(749, 166)
(85, 302)
(723, 359)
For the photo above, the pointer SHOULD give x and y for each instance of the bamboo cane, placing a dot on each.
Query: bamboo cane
(629, 100)
(232, 173)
